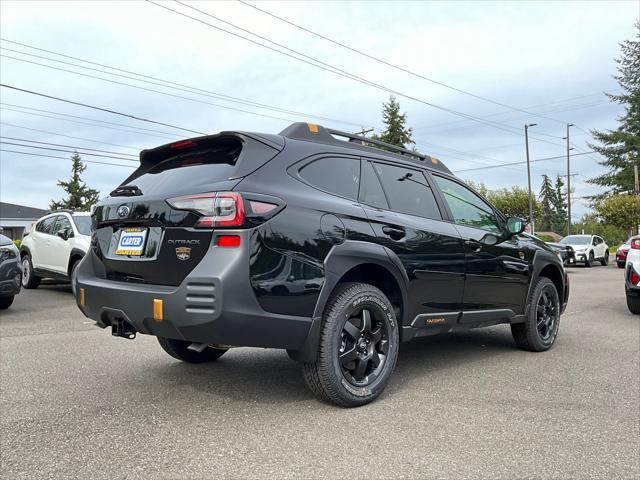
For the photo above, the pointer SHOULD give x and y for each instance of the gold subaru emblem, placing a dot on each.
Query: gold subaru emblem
(183, 253)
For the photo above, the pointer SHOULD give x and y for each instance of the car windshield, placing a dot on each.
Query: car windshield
(576, 240)
(83, 224)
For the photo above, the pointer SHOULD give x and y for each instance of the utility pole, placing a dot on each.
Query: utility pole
(363, 132)
(526, 141)
(636, 180)
(568, 183)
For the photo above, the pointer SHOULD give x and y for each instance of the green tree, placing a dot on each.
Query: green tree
(590, 224)
(547, 201)
(621, 211)
(513, 202)
(80, 196)
(559, 223)
(396, 131)
(620, 147)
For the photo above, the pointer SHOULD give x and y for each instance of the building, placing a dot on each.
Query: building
(15, 220)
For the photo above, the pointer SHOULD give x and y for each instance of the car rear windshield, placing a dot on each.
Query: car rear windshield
(188, 169)
(576, 240)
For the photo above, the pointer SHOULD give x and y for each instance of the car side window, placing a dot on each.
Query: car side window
(371, 192)
(595, 241)
(63, 224)
(408, 191)
(466, 207)
(338, 175)
(46, 225)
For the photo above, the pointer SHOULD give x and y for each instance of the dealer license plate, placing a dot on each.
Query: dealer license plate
(131, 241)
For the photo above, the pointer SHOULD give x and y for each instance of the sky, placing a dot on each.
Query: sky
(475, 66)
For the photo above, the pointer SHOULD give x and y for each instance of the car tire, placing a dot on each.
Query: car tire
(589, 261)
(5, 302)
(358, 347)
(73, 275)
(179, 349)
(539, 330)
(633, 304)
(605, 260)
(621, 264)
(29, 278)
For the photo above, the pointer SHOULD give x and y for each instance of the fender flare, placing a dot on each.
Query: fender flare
(24, 250)
(340, 260)
(541, 260)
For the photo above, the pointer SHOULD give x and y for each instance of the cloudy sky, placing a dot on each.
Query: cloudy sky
(553, 60)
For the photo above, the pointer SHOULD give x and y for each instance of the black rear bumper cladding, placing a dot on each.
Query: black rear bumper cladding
(214, 304)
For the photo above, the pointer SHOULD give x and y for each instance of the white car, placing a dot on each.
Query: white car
(632, 276)
(588, 248)
(54, 247)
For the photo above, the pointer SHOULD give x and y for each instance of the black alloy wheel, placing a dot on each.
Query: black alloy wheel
(364, 346)
(539, 330)
(547, 313)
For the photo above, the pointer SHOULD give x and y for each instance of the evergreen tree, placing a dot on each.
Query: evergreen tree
(547, 201)
(396, 131)
(620, 147)
(559, 207)
(81, 197)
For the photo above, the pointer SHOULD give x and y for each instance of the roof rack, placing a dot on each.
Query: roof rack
(318, 133)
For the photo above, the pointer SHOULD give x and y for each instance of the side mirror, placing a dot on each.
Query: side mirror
(64, 234)
(515, 225)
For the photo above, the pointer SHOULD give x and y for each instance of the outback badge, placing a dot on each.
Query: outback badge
(183, 253)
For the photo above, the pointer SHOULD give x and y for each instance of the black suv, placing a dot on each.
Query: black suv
(329, 245)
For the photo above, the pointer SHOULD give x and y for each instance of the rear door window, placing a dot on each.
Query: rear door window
(46, 225)
(371, 192)
(337, 175)
(408, 191)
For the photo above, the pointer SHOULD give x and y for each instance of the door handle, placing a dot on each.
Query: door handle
(473, 245)
(396, 233)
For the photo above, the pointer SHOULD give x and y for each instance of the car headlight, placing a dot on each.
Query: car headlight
(8, 251)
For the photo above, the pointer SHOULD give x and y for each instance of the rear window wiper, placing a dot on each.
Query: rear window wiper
(126, 191)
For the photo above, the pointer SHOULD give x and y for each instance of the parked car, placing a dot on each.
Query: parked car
(333, 250)
(54, 247)
(588, 249)
(10, 272)
(621, 253)
(632, 275)
(566, 252)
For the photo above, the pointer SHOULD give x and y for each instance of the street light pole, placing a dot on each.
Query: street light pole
(526, 140)
(568, 183)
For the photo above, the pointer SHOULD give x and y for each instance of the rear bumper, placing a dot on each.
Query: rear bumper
(214, 304)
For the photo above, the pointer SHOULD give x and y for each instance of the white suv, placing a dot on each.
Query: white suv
(632, 276)
(588, 248)
(54, 247)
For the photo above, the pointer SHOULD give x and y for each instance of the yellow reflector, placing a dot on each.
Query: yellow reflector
(434, 160)
(82, 296)
(313, 128)
(157, 309)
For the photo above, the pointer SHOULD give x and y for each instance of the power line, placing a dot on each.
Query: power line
(92, 119)
(66, 151)
(85, 123)
(69, 146)
(144, 88)
(518, 163)
(397, 67)
(69, 136)
(66, 158)
(168, 83)
(99, 108)
(330, 68)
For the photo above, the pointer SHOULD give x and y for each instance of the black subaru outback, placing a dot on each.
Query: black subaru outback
(331, 246)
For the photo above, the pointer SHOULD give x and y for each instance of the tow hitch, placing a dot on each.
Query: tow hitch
(121, 328)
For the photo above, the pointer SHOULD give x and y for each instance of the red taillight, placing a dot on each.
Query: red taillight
(228, 241)
(635, 243)
(182, 144)
(221, 209)
(634, 278)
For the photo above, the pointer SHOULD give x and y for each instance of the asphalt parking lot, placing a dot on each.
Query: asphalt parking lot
(78, 403)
